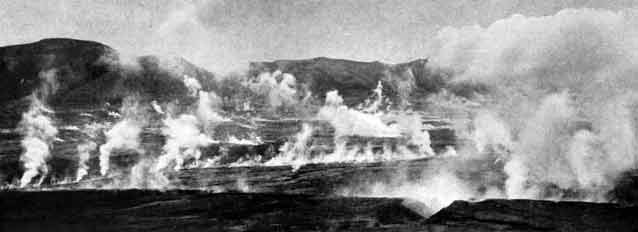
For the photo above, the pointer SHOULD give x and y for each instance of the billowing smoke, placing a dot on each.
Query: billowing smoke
(192, 85)
(348, 121)
(370, 122)
(38, 129)
(563, 100)
(208, 108)
(183, 140)
(278, 89)
(208, 103)
(297, 151)
(185, 134)
(124, 134)
(84, 154)
(39, 132)
(85, 148)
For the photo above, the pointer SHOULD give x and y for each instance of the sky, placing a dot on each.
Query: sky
(224, 35)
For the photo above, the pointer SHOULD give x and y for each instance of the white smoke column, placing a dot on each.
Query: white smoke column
(207, 102)
(369, 122)
(277, 93)
(283, 94)
(490, 132)
(295, 153)
(539, 155)
(124, 135)
(528, 62)
(184, 136)
(84, 153)
(156, 107)
(192, 85)
(183, 140)
(348, 121)
(412, 126)
(207, 108)
(378, 100)
(39, 132)
(143, 176)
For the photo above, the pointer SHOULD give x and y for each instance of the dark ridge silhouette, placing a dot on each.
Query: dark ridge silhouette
(404, 82)
(86, 73)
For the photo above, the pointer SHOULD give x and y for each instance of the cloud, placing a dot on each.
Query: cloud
(224, 35)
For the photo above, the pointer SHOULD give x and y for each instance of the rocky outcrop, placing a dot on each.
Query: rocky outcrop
(533, 215)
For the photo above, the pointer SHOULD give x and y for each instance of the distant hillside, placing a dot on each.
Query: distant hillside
(84, 73)
(355, 80)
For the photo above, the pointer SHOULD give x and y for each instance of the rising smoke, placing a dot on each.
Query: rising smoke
(123, 135)
(558, 122)
(39, 133)
(369, 121)
(563, 100)
(39, 130)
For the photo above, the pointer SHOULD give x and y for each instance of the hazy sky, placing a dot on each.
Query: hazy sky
(225, 35)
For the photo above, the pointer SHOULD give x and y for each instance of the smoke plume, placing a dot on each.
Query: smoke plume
(563, 96)
(184, 139)
(124, 134)
(39, 132)
(84, 153)
(38, 129)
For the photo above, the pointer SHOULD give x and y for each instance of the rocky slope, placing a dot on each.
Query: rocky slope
(530, 215)
(143, 210)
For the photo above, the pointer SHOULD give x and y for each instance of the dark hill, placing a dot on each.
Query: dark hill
(355, 80)
(84, 73)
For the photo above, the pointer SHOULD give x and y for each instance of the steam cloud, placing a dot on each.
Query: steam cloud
(84, 153)
(184, 139)
(123, 135)
(561, 113)
(564, 96)
(368, 121)
(278, 93)
(39, 132)
(184, 133)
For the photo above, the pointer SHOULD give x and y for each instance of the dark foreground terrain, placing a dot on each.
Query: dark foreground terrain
(147, 210)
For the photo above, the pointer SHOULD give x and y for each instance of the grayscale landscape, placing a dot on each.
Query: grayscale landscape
(318, 116)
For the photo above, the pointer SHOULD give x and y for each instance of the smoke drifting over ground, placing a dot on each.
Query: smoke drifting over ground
(557, 119)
